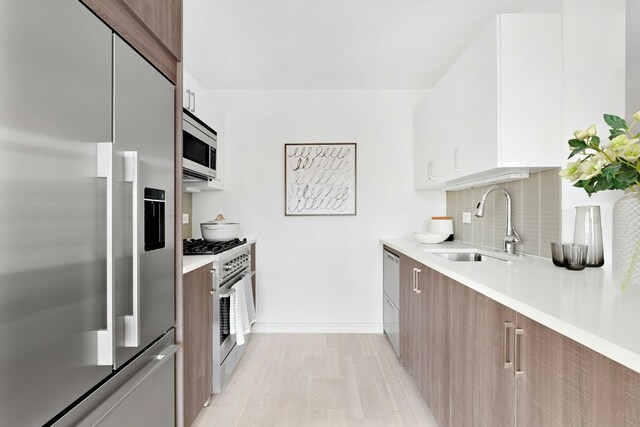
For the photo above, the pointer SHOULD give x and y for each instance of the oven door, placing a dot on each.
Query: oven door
(226, 339)
(226, 354)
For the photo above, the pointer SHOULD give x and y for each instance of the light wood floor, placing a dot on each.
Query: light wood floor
(318, 380)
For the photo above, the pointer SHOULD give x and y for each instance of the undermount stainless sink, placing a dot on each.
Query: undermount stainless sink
(465, 256)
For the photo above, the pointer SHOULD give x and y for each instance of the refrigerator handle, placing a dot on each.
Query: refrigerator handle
(106, 337)
(132, 321)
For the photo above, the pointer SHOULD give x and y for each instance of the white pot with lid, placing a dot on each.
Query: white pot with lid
(219, 230)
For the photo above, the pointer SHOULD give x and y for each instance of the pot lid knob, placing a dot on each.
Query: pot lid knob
(220, 217)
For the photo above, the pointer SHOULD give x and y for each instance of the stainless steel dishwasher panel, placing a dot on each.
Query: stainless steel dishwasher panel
(391, 298)
(391, 315)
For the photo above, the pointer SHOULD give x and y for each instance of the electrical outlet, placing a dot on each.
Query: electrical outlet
(466, 217)
(185, 218)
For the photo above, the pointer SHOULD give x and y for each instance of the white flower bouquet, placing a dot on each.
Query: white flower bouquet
(599, 167)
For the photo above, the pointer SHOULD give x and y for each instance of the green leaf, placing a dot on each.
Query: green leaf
(615, 132)
(576, 143)
(595, 141)
(615, 122)
(609, 171)
(576, 151)
(587, 185)
(578, 147)
(627, 176)
(601, 185)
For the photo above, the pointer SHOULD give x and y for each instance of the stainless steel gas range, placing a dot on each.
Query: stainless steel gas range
(231, 264)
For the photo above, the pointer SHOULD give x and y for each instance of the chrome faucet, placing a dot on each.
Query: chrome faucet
(511, 236)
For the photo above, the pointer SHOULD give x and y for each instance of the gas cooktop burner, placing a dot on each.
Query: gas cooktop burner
(202, 247)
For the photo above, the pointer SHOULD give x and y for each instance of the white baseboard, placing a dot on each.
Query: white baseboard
(317, 328)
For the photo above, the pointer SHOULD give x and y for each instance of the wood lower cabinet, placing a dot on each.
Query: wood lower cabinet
(482, 390)
(550, 380)
(197, 344)
(409, 316)
(424, 333)
(480, 363)
(434, 342)
(564, 383)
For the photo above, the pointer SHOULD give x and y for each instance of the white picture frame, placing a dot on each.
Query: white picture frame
(320, 179)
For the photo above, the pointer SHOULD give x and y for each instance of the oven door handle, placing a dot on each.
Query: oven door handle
(214, 281)
(227, 294)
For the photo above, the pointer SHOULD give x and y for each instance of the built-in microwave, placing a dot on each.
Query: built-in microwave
(199, 144)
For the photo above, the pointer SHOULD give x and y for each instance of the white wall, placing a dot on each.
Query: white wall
(593, 84)
(318, 273)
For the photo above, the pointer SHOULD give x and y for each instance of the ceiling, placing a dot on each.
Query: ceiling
(330, 44)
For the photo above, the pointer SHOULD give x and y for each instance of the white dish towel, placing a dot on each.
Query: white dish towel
(242, 310)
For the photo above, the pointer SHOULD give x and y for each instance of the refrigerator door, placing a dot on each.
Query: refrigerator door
(143, 167)
(55, 106)
(141, 394)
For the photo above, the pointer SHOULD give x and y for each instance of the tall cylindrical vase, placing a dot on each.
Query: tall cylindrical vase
(588, 231)
(626, 243)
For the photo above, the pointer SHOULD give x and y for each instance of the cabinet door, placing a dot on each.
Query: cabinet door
(434, 342)
(408, 317)
(164, 19)
(567, 384)
(422, 140)
(444, 130)
(530, 89)
(482, 390)
(197, 345)
(475, 94)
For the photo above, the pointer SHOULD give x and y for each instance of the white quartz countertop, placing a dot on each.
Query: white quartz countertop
(582, 305)
(193, 262)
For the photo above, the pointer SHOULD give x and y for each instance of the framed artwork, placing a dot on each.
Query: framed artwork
(320, 179)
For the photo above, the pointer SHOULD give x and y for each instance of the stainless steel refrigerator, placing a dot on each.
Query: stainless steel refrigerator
(86, 223)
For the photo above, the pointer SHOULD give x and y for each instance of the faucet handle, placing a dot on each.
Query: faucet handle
(513, 237)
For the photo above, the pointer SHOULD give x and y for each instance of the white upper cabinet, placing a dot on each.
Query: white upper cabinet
(191, 91)
(498, 109)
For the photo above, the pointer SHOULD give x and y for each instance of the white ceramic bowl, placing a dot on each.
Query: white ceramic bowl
(427, 237)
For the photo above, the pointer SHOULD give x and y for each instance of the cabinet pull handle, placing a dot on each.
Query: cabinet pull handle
(418, 271)
(455, 159)
(414, 279)
(517, 358)
(430, 171)
(506, 345)
(193, 94)
(188, 99)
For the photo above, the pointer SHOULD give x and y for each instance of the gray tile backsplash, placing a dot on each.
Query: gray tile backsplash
(536, 205)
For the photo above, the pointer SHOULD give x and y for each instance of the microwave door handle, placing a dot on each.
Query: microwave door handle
(106, 337)
(132, 321)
